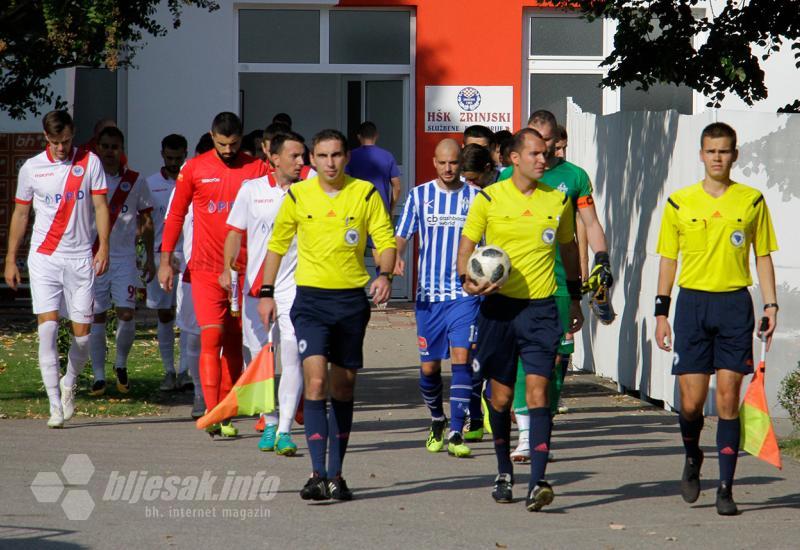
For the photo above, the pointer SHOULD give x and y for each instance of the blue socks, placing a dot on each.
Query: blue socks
(431, 389)
(690, 433)
(728, 433)
(316, 426)
(460, 396)
(541, 426)
(340, 421)
(501, 431)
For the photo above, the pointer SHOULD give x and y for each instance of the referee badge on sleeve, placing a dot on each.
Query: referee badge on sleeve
(351, 237)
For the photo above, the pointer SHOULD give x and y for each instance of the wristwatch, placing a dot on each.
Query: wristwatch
(389, 275)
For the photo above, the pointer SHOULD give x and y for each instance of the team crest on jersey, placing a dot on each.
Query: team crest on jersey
(351, 236)
(464, 205)
(563, 187)
(737, 238)
(469, 99)
(548, 235)
(77, 171)
(125, 186)
(423, 343)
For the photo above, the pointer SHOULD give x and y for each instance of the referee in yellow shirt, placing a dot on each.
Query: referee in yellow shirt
(331, 214)
(527, 219)
(712, 225)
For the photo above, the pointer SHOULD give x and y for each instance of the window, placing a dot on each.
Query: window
(95, 99)
(370, 37)
(660, 97)
(279, 36)
(566, 36)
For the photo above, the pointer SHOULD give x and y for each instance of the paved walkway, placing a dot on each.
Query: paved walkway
(617, 462)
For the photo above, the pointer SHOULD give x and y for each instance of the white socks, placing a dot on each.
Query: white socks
(166, 345)
(190, 359)
(126, 332)
(48, 360)
(291, 384)
(524, 426)
(78, 355)
(97, 350)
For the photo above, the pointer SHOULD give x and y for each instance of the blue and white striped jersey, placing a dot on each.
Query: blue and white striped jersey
(438, 215)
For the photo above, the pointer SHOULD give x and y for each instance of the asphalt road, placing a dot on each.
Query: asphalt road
(145, 482)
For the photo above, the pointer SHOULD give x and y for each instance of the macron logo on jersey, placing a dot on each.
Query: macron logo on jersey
(209, 180)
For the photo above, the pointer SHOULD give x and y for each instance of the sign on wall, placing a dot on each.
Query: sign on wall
(454, 108)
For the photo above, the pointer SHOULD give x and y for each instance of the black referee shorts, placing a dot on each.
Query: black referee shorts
(331, 323)
(510, 328)
(713, 330)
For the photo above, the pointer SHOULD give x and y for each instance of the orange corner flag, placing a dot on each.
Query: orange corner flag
(758, 435)
(253, 392)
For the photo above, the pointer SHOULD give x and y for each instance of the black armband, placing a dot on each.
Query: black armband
(267, 291)
(574, 289)
(769, 306)
(662, 305)
(601, 258)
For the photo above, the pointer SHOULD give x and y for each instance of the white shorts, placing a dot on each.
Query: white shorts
(253, 330)
(62, 284)
(158, 298)
(117, 285)
(185, 319)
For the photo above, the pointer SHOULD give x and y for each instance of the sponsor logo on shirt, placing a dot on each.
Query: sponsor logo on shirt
(121, 210)
(219, 206)
(69, 196)
(445, 220)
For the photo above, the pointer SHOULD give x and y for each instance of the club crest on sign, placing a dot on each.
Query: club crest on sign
(469, 99)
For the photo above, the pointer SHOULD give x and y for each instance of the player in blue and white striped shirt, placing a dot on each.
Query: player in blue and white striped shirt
(445, 313)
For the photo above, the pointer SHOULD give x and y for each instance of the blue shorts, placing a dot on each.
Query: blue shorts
(713, 330)
(509, 328)
(442, 325)
(331, 323)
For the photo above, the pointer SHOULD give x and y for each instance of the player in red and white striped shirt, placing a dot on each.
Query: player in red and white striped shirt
(59, 183)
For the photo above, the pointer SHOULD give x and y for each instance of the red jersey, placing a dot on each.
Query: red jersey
(210, 186)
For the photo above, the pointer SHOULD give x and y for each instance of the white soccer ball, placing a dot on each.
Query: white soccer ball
(489, 264)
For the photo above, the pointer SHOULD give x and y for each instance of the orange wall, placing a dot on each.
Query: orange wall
(461, 42)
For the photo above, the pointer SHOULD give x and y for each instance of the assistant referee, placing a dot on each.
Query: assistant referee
(712, 225)
(331, 214)
(527, 219)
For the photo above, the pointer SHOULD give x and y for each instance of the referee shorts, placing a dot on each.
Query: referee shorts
(331, 323)
(713, 330)
(509, 328)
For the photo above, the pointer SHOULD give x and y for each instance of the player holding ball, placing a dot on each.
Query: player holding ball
(526, 219)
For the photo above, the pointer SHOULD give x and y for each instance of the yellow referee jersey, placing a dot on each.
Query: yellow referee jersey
(714, 236)
(332, 232)
(528, 228)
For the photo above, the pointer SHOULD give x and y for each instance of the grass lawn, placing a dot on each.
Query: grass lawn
(22, 393)
(790, 447)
